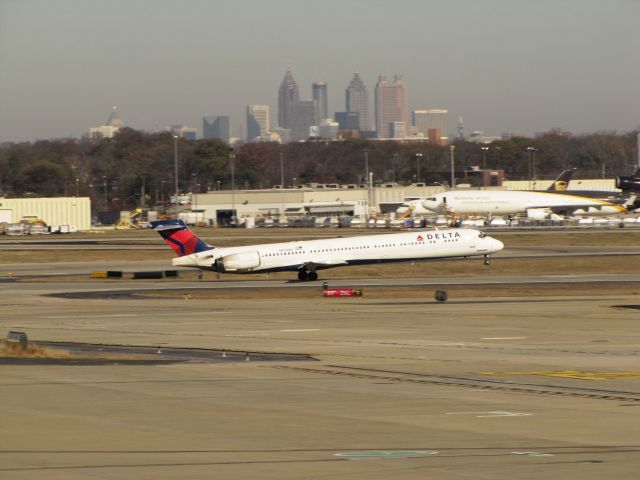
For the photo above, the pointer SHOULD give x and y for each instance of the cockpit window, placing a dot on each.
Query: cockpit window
(482, 235)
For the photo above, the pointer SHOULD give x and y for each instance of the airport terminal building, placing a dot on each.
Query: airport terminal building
(220, 207)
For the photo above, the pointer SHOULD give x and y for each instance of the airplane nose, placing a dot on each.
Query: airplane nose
(497, 245)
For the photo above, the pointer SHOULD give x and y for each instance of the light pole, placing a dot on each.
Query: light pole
(282, 169)
(530, 151)
(393, 165)
(366, 165)
(104, 187)
(175, 165)
(452, 149)
(281, 218)
(418, 160)
(484, 157)
(164, 205)
(232, 162)
(368, 187)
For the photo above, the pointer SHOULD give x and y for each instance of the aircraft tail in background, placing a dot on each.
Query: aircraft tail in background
(178, 236)
(629, 184)
(562, 182)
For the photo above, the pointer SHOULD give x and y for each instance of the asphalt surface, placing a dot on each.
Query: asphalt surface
(491, 388)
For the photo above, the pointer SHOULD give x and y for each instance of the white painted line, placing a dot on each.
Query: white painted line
(534, 454)
(94, 316)
(497, 413)
(248, 335)
(301, 330)
(503, 338)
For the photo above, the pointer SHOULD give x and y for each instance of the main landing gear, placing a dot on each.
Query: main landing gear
(303, 275)
(487, 259)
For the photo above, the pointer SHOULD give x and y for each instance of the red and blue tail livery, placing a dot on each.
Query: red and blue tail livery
(178, 236)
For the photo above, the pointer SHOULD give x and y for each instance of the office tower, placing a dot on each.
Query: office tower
(391, 105)
(398, 130)
(257, 121)
(108, 130)
(184, 131)
(357, 100)
(328, 129)
(216, 127)
(303, 117)
(287, 95)
(284, 134)
(425, 120)
(435, 136)
(348, 120)
(115, 120)
(320, 97)
(460, 128)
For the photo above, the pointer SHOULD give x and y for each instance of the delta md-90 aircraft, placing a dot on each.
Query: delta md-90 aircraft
(309, 256)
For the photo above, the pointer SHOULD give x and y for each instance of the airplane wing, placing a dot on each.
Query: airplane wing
(321, 264)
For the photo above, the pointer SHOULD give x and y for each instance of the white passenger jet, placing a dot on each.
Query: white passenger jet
(532, 203)
(309, 256)
(415, 206)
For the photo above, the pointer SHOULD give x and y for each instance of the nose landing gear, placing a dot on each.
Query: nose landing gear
(487, 259)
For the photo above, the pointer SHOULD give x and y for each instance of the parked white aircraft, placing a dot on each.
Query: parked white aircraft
(534, 204)
(306, 257)
(415, 207)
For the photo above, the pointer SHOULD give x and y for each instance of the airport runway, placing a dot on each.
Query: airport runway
(491, 388)
(35, 269)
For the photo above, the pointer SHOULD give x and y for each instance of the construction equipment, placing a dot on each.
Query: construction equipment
(127, 219)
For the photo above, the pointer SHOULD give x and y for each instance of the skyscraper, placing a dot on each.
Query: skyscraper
(391, 105)
(303, 117)
(287, 95)
(357, 100)
(257, 121)
(320, 97)
(216, 127)
(425, 120)
(114, 119)
(348, 120)
(114, 123)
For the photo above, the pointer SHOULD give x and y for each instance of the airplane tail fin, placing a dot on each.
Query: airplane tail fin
(178, 236)
(562, 182)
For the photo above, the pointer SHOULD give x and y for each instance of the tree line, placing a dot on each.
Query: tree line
(135, 168)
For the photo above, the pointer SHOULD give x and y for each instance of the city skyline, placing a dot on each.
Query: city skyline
(504, 66)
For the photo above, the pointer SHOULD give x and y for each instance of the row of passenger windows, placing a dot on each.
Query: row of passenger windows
(360, 247)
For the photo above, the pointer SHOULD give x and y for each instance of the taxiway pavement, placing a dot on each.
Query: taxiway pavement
(492, 388)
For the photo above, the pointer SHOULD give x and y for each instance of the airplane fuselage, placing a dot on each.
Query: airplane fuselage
(321, 254)
(500, 202)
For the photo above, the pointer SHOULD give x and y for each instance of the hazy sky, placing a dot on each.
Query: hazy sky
(504, 65)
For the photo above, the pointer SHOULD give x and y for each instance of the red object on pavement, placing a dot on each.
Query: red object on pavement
(341, 292)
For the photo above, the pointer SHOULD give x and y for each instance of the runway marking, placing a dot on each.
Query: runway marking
(503, 338)
(580, 375)
(386, 454)
(247, 334)
(534, 454)
(114, 315)
(94, 316)
(301, 330)
(497, 413)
